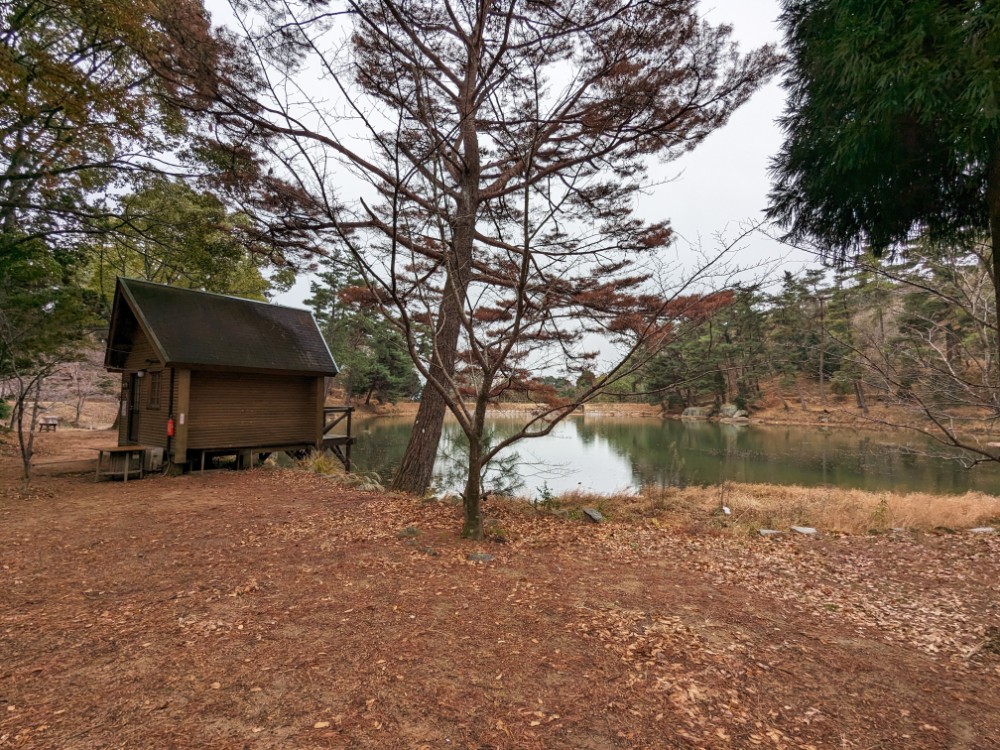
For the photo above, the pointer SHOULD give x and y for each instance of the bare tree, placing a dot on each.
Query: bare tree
(921, 337)
(79, 381)
(499, 147)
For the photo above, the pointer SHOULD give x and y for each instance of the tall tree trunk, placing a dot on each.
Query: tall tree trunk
(417, 467)
(993, 204)
(822, 352)
(859, 394)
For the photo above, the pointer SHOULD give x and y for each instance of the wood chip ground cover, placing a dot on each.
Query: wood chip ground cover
(273, 609)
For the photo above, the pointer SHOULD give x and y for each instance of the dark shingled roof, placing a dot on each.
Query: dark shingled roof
(212, 330)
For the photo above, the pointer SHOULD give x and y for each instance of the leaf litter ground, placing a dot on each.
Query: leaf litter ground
(275, 609)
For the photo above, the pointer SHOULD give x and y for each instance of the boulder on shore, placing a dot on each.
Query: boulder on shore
(697, 412)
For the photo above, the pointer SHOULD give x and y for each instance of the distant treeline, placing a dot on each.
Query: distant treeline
(918, 330)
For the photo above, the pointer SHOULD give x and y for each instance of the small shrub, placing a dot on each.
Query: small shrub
(495, 532)
(547, 500)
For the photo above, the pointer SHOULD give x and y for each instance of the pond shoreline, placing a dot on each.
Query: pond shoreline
(880, 418)
(607, 453)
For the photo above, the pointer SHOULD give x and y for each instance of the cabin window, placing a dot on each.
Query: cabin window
(154, 390)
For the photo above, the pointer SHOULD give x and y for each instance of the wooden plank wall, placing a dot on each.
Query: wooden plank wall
(233, 410)
(152, 421)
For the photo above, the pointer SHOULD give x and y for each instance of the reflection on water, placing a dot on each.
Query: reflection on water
(603, 454)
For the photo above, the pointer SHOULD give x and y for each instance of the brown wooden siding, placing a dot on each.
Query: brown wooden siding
(152, 421)
(230, 410)
(141, 354)
(123, 411)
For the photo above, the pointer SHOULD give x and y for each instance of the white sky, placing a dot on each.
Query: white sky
(724, 182)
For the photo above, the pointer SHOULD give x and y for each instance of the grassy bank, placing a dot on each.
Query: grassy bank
(756, 506)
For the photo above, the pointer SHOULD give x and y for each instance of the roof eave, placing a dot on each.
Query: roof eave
(141, 318)
(250, 369)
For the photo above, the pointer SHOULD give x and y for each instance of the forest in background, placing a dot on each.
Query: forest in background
(917, 331)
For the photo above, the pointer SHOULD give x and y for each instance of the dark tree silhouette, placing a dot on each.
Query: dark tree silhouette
(888, 127)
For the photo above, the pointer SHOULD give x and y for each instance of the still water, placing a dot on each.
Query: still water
(605, 454)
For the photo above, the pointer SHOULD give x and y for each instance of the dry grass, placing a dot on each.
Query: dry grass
(756, 506)
(329, 465)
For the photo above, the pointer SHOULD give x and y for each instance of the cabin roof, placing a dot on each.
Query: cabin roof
(191, 328)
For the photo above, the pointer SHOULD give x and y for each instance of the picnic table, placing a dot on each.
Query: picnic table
(117, 461)
(48, 423)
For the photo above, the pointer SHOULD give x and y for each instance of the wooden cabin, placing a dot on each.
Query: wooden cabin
(207, 374)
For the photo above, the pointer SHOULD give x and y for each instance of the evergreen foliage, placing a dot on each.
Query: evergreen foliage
(372, 355)
(892, 122)
(171, 233)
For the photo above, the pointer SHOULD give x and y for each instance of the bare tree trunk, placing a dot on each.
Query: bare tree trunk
(859, 393)
(993, 204)
(472, 526)
(822, 352)
(472, 523)
(417, 467)
(81, 394)
(27, 442)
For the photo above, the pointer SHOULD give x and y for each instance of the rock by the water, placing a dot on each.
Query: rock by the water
(983, 530)
(728, 410)
(697, 412)
(770, 532)
(735, 420)
(742, 414)
(593, 514)
(480, 557)
(807, 530)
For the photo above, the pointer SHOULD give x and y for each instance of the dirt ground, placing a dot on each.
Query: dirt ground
(275, 609)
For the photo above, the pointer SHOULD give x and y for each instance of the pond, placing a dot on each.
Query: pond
(607, 454)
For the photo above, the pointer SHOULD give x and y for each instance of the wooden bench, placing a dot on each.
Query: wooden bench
(117, 461)
(48, 423)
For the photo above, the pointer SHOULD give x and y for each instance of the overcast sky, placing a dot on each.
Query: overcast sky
(723, 183)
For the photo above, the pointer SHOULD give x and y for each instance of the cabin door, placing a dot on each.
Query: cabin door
(132, 428)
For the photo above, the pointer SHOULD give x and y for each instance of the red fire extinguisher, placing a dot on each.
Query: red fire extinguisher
(170, 427)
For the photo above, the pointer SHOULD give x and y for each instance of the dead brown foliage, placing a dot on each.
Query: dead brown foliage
(274, 609)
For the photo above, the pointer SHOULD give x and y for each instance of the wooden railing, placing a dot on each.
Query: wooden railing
(339, 445)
